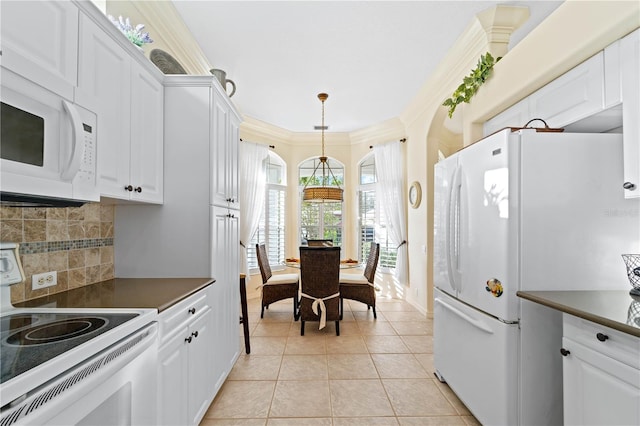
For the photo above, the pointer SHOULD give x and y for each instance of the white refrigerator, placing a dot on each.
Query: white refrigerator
(522, 211)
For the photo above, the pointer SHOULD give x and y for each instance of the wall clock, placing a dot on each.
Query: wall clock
(415, 194)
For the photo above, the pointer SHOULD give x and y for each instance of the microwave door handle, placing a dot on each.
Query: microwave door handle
(75, 160)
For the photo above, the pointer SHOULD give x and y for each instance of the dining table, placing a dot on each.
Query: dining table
(344, 264)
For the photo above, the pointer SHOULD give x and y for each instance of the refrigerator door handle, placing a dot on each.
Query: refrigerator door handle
(474, 322)
(452, 240)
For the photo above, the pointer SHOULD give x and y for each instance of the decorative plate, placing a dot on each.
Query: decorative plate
(165, 62)
(415, 194)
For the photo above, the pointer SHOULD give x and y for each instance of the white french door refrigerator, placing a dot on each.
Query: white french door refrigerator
(521, 210)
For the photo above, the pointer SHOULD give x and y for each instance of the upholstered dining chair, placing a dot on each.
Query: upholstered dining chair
(276, 287)
(319, 285)
(360, 287)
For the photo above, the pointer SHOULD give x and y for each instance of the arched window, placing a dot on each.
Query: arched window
(320, 220)
(371, 220)
(271, 230)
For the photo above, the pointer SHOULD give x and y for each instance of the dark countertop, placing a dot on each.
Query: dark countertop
(156, 293)
(616, 309)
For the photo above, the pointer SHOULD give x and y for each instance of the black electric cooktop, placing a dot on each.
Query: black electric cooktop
(30, 339)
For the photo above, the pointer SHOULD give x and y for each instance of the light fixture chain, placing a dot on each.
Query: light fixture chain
(323, 132)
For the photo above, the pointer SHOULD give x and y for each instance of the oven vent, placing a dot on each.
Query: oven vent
(13, 417)
(44, 396)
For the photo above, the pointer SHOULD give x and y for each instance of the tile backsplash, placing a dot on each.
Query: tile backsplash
(77, 242)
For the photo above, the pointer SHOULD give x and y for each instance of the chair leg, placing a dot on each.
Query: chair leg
(375, 316)
(341, 307)
(301, 327)
(337, 328)
(262, 312)
(295, 309)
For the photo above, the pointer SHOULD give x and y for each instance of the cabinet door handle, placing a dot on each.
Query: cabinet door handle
(564, 352)
(138, 189)
(128, 188)
(194, 334)
(188, 339)
(602, 337)
(192, 311)
(629, 185)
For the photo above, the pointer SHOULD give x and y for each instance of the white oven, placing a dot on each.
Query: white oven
(61, 366)
(106, 379)
(48, 146)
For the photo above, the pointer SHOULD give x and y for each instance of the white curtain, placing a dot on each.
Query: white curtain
(391, 194)
(253, 183)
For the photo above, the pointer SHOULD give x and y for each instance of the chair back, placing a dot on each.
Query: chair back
(320, 243)
(320, 277)
(372, 262)
(263, 262)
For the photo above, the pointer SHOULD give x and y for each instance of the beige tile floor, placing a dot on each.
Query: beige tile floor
(377, 372)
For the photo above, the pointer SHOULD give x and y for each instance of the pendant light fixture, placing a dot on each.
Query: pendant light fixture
(324, 192)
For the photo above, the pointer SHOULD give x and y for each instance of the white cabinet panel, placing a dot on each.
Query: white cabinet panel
(146, 136)
(200, 355)
(515, 116)
(573, 96)
(185, 361)
(598, 390)
(172, 380)
(40, 42)
(224, 152)
(104, 86)
(630, 86)
(601, 374)
(128, 101)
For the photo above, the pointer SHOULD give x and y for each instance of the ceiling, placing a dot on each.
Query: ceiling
(371, 57)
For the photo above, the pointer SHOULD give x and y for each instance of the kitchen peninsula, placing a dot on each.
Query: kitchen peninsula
(600, 352)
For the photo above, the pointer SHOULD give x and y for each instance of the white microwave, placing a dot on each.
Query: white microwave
(47, 147)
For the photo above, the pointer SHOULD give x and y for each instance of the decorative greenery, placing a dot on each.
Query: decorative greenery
(135, 35)
(471, 83)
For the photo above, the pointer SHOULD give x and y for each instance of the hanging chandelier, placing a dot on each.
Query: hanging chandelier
(324, 192)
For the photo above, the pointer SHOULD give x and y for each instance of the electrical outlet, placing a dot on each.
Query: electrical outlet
(44, 280)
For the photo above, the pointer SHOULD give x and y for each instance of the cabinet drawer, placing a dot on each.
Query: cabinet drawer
(182, 312)
(612, 343)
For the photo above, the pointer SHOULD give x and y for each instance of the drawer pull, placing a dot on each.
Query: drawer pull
(602, 337)
(192, 311)
(564, 352)
(194, 334)
(188, 339)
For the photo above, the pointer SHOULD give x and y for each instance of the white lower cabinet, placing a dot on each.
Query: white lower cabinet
(601, 374)
(186, 360)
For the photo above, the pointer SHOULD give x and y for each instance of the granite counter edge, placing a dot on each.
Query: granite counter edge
(616, 325)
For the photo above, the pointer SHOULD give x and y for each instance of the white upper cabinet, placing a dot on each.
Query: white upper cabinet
(622, 86)
(224, 151)
(630, 89)
(146, 148)
(572, 96)
(40, 42)
(128, 101)
(600, 95)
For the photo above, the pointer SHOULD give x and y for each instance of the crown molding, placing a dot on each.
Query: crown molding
(380, 133)
(489, 31)
(169, 31)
